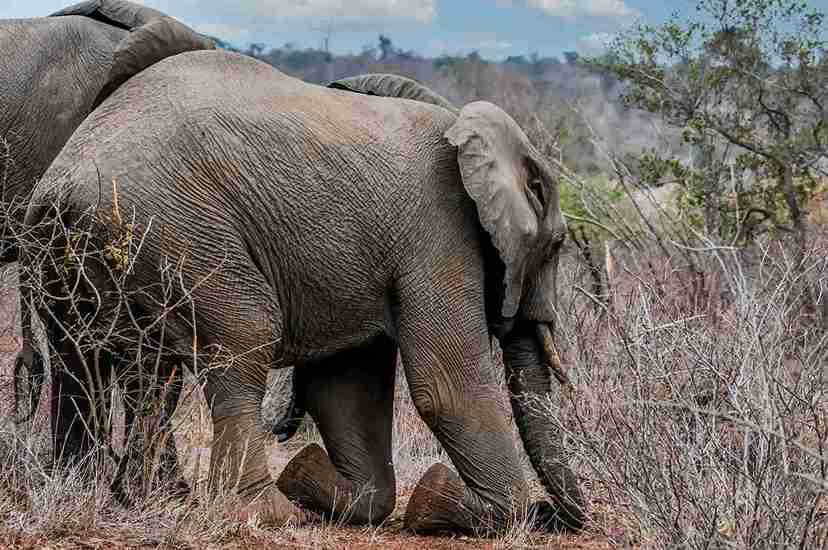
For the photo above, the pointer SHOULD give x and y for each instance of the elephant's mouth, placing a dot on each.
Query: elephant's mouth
(530, 356)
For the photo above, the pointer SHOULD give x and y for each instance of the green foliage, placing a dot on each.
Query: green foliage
(653, 168)
(751, 76)
(599, 189)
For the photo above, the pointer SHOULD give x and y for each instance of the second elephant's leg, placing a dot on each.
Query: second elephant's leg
(351, 398)
(79, 405)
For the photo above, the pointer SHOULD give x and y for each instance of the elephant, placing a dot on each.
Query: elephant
(327, 229)
(55, 70)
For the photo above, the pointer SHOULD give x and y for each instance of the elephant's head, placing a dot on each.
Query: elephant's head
(516, 195)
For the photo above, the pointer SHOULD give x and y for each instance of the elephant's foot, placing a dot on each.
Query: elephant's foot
(442, 503)
(270, 508)
(437, 503)
(314, 482)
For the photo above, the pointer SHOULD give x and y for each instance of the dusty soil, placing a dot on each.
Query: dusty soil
(391, 537)
(345, 538)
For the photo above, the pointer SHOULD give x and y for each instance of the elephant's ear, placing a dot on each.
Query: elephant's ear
(503, 173)
(147, 45)
(391, 85)
(152, 37)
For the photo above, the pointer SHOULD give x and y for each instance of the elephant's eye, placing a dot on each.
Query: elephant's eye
(536, 186)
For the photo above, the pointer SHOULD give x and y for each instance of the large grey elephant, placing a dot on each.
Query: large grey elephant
(53, 72)
(327, 229)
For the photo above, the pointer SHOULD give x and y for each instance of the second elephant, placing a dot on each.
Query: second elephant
(53, 72)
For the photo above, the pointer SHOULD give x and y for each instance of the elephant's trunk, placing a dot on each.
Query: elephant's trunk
(530, 357)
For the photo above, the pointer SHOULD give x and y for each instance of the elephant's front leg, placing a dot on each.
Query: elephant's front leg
(445, 350)
(238, 458)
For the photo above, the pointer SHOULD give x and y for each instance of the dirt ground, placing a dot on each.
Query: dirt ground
(390, 536)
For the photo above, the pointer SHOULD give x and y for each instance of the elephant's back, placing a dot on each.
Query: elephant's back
(241, 123)
(254, 92)
(230, 132)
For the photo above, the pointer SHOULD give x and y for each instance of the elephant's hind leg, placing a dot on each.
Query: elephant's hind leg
(351, 398)
(238, 459)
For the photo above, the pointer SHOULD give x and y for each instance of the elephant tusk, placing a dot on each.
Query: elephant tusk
(553, 360)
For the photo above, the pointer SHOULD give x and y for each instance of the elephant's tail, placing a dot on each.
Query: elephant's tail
(291, 406)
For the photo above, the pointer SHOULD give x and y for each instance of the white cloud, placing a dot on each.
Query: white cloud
(593, 8)
(340, 11)
(230, 33)
(595, 43)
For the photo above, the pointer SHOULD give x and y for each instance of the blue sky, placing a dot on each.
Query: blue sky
(495, 28)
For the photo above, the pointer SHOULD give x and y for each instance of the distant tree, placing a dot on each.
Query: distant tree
(536, 65)
(386, 48)
(369, 50)
(516, 60)
(406, 54)
(222, 44)
(256, 49)
(571, 58)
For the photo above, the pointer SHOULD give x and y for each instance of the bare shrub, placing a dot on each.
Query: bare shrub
(702, 427)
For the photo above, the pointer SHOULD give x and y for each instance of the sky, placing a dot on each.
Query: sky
(495, 28)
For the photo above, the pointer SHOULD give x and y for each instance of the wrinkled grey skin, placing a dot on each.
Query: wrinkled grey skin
(56, 69)
(336, 228)
(53, 71)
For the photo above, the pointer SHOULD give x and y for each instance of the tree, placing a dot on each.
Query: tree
(386, 48)
(256, 49)
(752, 76)
(571, 57)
